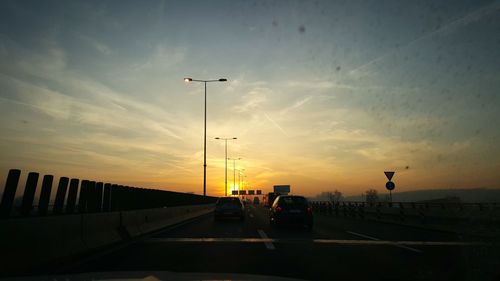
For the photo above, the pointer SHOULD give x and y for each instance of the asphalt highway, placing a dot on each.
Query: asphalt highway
(335, 249)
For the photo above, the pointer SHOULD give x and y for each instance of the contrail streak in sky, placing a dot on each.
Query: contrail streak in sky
(275, 124)
(462, 21)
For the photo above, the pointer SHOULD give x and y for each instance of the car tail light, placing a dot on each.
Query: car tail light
(278, 209)
(309, 210)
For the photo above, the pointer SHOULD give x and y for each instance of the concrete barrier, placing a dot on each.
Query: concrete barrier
(30, 242)
(27, 244)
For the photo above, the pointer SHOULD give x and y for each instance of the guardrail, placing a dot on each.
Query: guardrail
(480, 218)
(86, 196)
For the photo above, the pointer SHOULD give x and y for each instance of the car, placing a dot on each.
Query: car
(229, 207)
(256, 201)
(291, 209)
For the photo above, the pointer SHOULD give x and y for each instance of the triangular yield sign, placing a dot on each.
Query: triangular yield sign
(389, 175)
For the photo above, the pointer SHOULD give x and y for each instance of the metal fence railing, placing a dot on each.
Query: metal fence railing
(421, 212)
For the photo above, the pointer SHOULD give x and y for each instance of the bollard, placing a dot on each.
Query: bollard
(29, 193)
(9, 192)
(62, 188)
(43, 203)
(106, 200)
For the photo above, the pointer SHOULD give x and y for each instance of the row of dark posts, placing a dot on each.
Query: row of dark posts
(357, 209)
(93, 196)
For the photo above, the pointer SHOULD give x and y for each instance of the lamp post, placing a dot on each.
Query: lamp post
(234, 170)
(188, 79)
(225, 160)
(239, 178)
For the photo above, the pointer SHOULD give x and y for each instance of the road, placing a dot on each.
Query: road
(336, 249)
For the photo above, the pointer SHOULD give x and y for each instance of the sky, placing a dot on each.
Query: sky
(322, 95)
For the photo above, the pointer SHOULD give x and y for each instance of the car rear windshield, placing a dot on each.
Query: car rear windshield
(228, 201)
(292, 201)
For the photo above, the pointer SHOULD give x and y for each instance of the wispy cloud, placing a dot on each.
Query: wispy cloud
(96, 44)
(253, 100)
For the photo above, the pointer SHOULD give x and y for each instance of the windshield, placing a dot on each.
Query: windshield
(292, 202)
(315, 140)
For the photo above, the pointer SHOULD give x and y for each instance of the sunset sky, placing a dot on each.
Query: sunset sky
(321, 95)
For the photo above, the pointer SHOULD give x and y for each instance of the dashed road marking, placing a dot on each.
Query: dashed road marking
(263, 235)
(396, 244)
(266, 239)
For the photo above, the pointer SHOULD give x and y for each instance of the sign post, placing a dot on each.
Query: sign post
(390, 185)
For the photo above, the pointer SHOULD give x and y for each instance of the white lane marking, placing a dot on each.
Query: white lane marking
(251, 215)
(396, 244)
(362, 235)
(263, 235)
(319, 241)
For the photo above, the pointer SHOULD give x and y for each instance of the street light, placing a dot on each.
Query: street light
(234, 170)
(239, 178)
(189, 79)
(225, 165)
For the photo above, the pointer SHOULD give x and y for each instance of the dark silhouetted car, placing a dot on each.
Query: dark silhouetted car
(256, 201)
(229, 207)
(288, 209)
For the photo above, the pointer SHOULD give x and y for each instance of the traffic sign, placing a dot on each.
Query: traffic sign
(390, 185)
(389, 175)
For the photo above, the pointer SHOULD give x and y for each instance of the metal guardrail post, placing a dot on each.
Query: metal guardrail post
(421, 215)
(401, 212)
(379, 215)
(361, 210)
